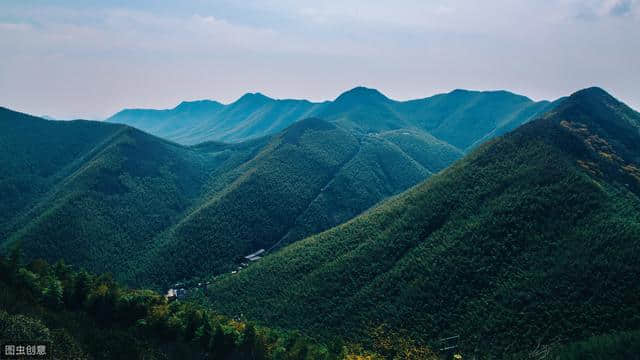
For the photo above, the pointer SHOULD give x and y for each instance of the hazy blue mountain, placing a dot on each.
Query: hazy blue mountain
(467, 118)
(461, 118)
(170, 123)
(253, 115)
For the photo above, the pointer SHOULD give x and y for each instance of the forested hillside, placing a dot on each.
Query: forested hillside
(76, 315)
(461, 118)
(118, 191)
(109, 197)
(27, 171)
(528, 243)
(303, 181)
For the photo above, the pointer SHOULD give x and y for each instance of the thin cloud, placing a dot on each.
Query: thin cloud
(593, 10)
(12, 27)
(619, 7)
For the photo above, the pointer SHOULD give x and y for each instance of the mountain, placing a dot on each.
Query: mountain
(466, 119)
(253, 115)
(108, 197)
(385, 164)
(461, 118)
(170, 121)
(37, 154)
(528, 242)
(308, 178)
(92, 193)
(365, 110)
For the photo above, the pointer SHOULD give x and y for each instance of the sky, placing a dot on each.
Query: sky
(91, 58)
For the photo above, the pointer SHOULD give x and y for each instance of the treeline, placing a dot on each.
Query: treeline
(82, 315)
(92, 316)
(623, 345)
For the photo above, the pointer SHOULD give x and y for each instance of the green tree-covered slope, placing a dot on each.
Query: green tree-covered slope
(78, 315)
(100, 191)
(35, 155)
(303, 181)
(385, 164)
(109, 197)
(531, 240)
(461, 118)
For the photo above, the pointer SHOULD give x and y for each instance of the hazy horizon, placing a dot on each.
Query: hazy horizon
(90, 59)
(171, 106)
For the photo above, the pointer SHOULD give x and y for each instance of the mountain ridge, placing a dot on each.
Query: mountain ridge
(360, 109)
(528, 228)
(129, 178)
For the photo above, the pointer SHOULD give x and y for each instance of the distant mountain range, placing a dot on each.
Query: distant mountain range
(461, 118)
(530, 240)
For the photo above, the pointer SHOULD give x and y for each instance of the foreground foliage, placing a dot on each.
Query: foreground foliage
(83, 315)
(80, 315)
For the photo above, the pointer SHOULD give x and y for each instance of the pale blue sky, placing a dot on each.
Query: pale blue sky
(89, 59)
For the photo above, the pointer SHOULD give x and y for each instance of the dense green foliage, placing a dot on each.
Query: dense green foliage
(385, 164)
(618, 346)
(111, 198)
(303, 182)
(101, 192)
(80, 315)
(256, 209)
(531, 240)
(28, 172)
(461, 118)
